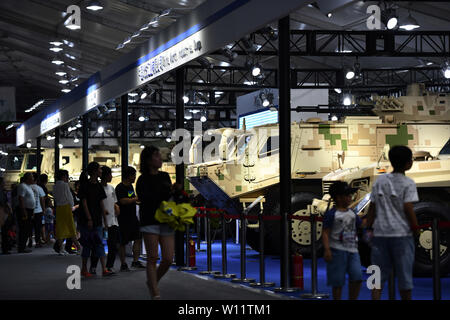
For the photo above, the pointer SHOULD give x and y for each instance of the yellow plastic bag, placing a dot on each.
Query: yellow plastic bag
(176, 216)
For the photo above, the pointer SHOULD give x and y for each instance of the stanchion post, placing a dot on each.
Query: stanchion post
(242, 237)
(436, 260)
(187, 267)
(224, 274)
(199, 235)
(208, 246)
(314, 294)
(262, 270)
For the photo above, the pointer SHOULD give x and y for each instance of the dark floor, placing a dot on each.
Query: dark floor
(42, 275)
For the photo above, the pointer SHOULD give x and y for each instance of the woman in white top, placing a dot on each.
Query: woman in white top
(65, 226)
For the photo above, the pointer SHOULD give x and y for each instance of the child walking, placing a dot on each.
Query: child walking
(340, 242)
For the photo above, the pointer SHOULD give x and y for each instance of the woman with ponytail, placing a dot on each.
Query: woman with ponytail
(92, 214)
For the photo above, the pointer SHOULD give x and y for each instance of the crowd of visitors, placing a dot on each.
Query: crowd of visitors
(77, 220)
(82, 217)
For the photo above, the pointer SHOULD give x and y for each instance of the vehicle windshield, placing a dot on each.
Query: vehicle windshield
(31, 162)
(446, 148)
(242, 143)
(271, 147)
(14, 162)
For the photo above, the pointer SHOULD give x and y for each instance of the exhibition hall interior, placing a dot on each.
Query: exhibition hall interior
(233, 150)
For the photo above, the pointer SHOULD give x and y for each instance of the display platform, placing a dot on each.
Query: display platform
(423, 287)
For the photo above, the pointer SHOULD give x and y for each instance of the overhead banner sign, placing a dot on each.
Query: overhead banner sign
(209, 27)
(177, 55)
(7, 104)
(52, 121)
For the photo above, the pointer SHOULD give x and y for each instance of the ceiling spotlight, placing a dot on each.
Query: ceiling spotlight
(56, 49)
(334, 118)
(203, 118)
(230, 55)
(28, 145)
(145, 27)
(94, 6)
(136, 34)
(185, 99)
(350, 74)
(56, 43)
(188, 116)
(133, 94)
(49, 138)
(144, 95)
(60, 73)
(100, 129)
(347, 100)
(142, 146)
(158, 133)
(78, 125)
(57, 60)
(329, 14)
(128, 40)
(409, 23)
(168, 139)
(63, 81)
(65, 90)
(256, 70)
(60, 146)
(390, 18)
(141, 119)
(76, 140)
(271, 32)
(338, 90)
(446, 70)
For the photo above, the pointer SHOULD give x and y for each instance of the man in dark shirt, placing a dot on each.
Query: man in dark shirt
(128, 221)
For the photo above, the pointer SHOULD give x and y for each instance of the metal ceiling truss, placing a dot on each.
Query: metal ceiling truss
(350, 43)
(239, 77)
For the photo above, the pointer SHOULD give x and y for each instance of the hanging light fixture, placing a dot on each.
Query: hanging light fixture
(60, 72)
(100, 129)
(57, 60)
(94, 5)
(409, 23)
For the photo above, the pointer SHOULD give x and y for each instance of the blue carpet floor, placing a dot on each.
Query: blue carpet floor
(423, 288)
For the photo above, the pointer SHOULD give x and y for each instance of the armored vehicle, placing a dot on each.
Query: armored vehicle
(24, 160)
(246, 162)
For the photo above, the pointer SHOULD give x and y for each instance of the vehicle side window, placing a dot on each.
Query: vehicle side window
(271, 147)
(14, 162)
(446, 148)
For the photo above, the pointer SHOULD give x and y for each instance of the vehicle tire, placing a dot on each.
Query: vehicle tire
(425, 212)
(272, 244)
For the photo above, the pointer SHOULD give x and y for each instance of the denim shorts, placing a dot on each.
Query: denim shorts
(343, 262)
(397, 252)
(99, 250)
(160, 229)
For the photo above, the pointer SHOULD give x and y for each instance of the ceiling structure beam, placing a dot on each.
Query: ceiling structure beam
(114, 25)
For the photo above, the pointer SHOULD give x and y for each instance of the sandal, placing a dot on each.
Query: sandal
(153, 297)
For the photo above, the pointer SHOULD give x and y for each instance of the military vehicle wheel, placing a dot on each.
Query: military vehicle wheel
(425, 212)
(300, 229)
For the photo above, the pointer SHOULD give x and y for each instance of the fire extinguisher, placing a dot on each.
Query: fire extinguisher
(191, 252)
(297, 271)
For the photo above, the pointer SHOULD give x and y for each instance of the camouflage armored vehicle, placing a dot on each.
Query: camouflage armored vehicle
(249, 167)
(24, 160)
